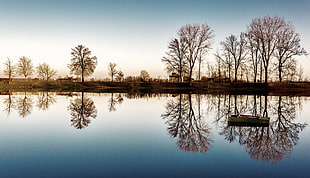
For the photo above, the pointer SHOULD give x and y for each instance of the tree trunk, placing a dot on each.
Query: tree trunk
(261, 72)
(199, 69)
(190, 77)
(266, 74)
(229, 73)
(280, 73)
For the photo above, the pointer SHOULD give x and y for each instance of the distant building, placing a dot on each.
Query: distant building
(174, 77)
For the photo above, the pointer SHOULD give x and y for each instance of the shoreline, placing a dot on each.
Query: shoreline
(294, 89)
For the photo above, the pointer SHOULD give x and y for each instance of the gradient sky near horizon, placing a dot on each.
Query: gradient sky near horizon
(133, 34)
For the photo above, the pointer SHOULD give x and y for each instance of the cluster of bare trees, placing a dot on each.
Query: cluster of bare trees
(268, 47)
(188, 50)
(24, 67)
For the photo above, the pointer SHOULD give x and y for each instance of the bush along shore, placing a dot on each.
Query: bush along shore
(157, 87)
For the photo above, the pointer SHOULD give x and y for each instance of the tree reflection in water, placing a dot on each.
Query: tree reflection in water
(184, 119)
(82, 110)
(9, 103)
(114, 100)
(192, 133)
(24, 105)
(271, 143)
(45, 100)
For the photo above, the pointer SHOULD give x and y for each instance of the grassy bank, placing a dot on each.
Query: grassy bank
(156, 87)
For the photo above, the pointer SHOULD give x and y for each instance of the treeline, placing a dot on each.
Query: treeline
(25, 68)
(82, 65)
(265, 51)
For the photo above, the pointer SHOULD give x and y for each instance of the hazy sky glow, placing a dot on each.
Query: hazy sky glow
(133, 34)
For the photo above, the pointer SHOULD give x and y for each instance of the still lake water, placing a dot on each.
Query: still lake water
(131, 135)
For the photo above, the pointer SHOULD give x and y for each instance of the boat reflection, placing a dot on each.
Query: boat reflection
(270, 144)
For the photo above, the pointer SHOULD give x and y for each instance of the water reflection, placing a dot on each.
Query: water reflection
(190, 117)
(24, 105)
(193, 134)
(271, 143)
(115, 100)
(82, 109)
(45, 100)
(9, 103)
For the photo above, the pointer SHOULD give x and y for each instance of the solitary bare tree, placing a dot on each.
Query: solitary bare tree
(25, 67)
(81, 62)
(9, 69)
(112, 70)
(45, 71)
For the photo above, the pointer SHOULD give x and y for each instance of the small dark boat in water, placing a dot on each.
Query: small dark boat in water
(248, 121)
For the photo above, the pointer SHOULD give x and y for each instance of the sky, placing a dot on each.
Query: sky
(134, 34)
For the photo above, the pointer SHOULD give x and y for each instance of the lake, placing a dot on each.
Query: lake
(152, 135)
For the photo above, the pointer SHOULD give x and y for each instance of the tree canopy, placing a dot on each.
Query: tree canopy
(82, 63)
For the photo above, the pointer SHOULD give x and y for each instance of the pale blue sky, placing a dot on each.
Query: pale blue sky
(134, 34)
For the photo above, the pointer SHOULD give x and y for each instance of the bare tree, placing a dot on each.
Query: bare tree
(197, 40)
(144, 75)
(236, 49)
(112, 70)
(266, 31)
(300, 74)
(175, 59)
(219, 62)
(45, 71)
(25, 67)
(81, 62)
(287, 47)
(9, 69)
(227, 63)
(119, 76)
(255, 58)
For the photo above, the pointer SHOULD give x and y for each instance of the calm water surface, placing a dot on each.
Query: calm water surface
(131, 135)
